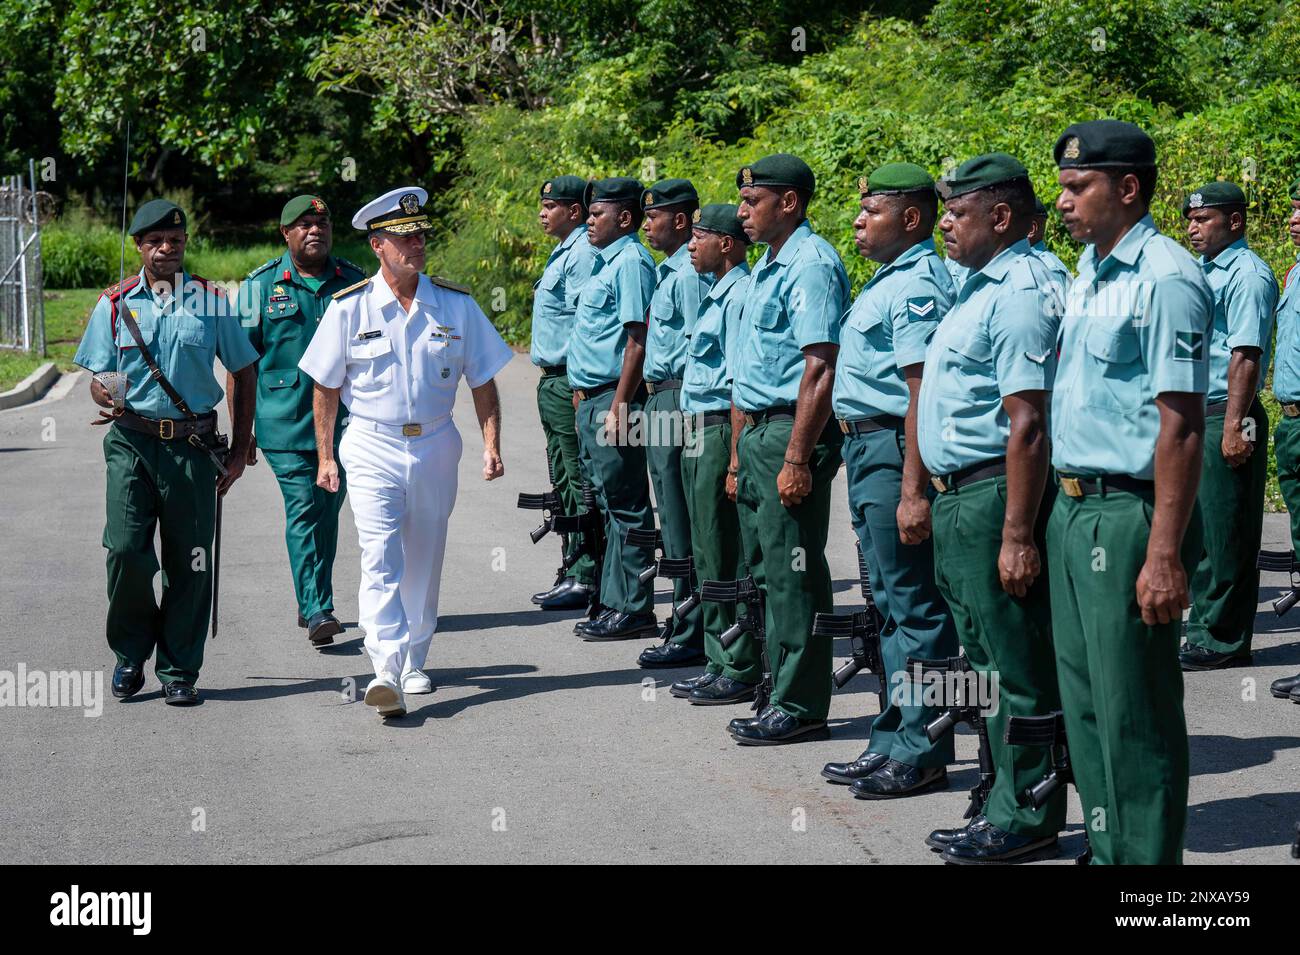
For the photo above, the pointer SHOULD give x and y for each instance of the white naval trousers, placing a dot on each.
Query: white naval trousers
(402, 491)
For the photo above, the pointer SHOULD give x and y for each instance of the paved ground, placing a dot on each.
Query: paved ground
(535, 748)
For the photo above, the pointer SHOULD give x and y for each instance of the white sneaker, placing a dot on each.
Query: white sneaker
(385, 697)
(416, 682)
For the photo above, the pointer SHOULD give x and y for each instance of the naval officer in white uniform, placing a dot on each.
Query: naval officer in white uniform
(394, 348)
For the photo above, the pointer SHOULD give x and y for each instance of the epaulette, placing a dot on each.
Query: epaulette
(209, 285)
(116, 291)
(352, 288)
(263, 267)
(451, 285)
(349, 265)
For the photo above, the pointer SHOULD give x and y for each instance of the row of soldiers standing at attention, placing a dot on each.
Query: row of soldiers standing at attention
(1023, 450)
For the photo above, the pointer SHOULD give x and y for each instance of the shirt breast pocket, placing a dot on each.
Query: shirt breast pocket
(773, 333)
(193, 332)
(706, 358)
(147, 327)
(370, 365)
(445, 359)
(550, 287)
(1115, 359)
(595, 304)
(663, 313)
(970, 360)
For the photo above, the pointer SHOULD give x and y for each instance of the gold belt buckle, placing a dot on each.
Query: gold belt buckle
(938, 484)
(1291, 410)
(166, 429)
(1071, 486)
(749, 420)
(411, 430)
(844, 426)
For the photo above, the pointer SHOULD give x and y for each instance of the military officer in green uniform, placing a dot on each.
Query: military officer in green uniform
(555, 299)
(281, 303)
(162, 474)
(718, 247)
(605, 372)
(669, 207)
(983, 435)
(1127, 419)
(1234, 471)
(877, 378)
(789, 451)
(1038, 246)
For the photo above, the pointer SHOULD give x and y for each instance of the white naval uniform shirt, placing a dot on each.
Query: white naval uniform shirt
(396, 368)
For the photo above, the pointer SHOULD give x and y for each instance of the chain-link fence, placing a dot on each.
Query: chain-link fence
(22, 306)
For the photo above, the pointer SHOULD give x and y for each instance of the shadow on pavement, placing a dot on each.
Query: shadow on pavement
(1245, 822)
(1225, 754)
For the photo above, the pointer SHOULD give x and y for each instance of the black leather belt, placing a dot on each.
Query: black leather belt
(1079, 485)
(881, 422)
(755, 418)
(554, 371)
(946, 483)
(1290, 409)
(586, 393)
(666, 385)
(706, 419)
(168, 429)
(1218, 408)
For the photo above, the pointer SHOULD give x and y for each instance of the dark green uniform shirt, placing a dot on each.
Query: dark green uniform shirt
(279, 312)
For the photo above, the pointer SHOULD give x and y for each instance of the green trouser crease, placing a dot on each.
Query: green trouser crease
(169, 486)
(1286, 448)
(311, 527)
(1004, 635)
(1225, 587)
(917, 622)
(555, 407)
(1121, 685)
(664, 455)
(618, 478)
(715, 540)
(785, 550)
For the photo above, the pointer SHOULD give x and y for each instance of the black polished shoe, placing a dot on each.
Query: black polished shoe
(990, 845)
(941, 839)
(1284, 687)
(743, 721)
(1193, 658)
(127, 680)
(180, 694)
(582, 626)
(895, 780)
(722, 691)
(777, 728)
(860, 768)
(302, 622)
(570, 595)
(665, 655)
(682, 688)
(622, 626)
(1295, 695)
(322, 628)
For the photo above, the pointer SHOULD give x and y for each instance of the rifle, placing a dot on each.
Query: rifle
(1047, 731)
(862, 629)
(963, 711)
(589, 525)
(752, 621)
(1283, 562)
(550, 504)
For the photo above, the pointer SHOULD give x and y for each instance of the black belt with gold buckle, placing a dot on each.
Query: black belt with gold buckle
(554, 371)
(881, 422)
(755, 418)
(1291, 410)
(665, 385)
(586, 393)
(167, 429)
(1081, 485)
(947, 483)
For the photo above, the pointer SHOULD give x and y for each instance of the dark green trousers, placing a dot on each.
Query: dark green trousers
(1005, 636)
(1121, 685)
(168, 487)
(1286, 448)
(715, 542)
(917, 622)
(555, 407)
(664, 455)
(311, 527)
(785, 549)
(1225, 587)
(618, 478)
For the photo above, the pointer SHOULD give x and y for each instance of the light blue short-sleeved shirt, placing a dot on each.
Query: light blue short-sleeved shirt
(183, 333)
(957, 273)
(1059, 270)
(999, 339)
(1286, 369)
(795, 299)
(1245, 297)
(886, 330)
(1136, 325)
(616, 295)
(555, 297)
(673, 308)
(706, 385)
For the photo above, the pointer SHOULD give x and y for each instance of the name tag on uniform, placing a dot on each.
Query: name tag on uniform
(368, 336)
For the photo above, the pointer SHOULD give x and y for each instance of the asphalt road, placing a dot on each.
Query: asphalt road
(536, 747)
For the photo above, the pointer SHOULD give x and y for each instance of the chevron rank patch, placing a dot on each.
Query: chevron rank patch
(1189, 346)
(920, 309)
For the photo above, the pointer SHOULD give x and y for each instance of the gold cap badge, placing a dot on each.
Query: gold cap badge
(410, 203)
(862, 184)
(317, 205)
(1071, 148)
(747, 176)
(547, 188)
(1196, 201)
(176, 217)
(695, 217)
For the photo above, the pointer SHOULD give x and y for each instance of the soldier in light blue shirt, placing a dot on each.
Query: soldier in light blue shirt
(877, 375)
(1234, 470)
(1037, 230)
(790, 448)
(982, 422)
(1128, 415)
(555, 300)
(669, 207)
(608, 336)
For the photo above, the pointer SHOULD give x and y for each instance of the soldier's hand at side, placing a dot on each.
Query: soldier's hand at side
(252, 450)
(1236, 449)
(327, 475)
(1162, 590)
(794, 483)
(729, 486)
(1019, 565)
(611, 427)
(913, 516)
(492, 466)
(235, 463)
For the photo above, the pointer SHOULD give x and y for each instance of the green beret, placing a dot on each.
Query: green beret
(1102, 143)
(564, 188)
(720, 217)
(895, 178)
(1295, 190)
(157, 214)
(617, 189)
(1040, 210)
(1214, 194)
(980, 173)
(300, 206)
(780, 169)
(669, 192)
